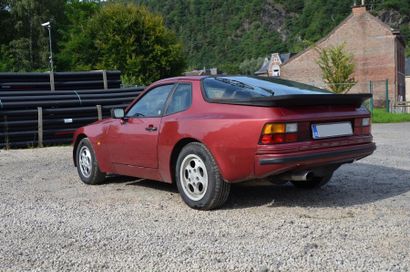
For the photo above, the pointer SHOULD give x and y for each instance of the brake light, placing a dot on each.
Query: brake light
(363, 126)
(279, 133)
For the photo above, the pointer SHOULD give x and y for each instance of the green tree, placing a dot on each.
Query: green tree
(25, 41)
(131, 39)
(337, 68)
(250, 66)
(221, 33)
(75, 41)
(5, 22)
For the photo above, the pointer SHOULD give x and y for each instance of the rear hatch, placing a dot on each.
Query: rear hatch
(303, 113)
(327, 126)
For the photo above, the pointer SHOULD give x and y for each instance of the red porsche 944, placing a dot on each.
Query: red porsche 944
(204, 133)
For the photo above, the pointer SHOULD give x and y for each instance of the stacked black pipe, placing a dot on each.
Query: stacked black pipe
(62, 81)
(63, 111)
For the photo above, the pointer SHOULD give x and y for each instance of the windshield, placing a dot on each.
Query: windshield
(242, 87)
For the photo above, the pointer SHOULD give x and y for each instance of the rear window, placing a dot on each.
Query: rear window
(242, 88)
(181, 99)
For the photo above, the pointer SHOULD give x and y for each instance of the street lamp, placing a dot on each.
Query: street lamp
(48, 26)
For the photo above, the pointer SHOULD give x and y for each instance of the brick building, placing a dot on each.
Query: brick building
(378, 53)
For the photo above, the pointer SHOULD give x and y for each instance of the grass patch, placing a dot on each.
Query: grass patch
(381, 116)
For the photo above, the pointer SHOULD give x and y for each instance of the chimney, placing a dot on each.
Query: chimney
(359, 9)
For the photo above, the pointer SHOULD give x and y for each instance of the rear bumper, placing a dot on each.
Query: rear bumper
(273, 164)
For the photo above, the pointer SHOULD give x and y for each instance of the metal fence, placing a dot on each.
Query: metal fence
(384, 95)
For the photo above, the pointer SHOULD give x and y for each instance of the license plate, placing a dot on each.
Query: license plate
(321, 131)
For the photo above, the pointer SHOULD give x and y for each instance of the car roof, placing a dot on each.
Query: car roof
(278, 83)
(180, 78)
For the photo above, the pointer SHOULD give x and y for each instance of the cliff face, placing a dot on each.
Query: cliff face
(225, 33)
(394, 18)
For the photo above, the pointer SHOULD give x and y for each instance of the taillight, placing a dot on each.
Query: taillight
(365, 122)
(363, 126)
(279, 133)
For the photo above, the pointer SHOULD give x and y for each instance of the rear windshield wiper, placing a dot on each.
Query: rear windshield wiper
(234, 82)
(272, 93)
(242, 85)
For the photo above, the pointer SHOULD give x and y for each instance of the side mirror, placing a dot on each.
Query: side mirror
(117, 113)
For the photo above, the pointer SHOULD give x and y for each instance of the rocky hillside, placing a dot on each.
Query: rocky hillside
(225, 33)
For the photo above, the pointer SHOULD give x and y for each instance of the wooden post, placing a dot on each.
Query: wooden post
(6, 134)
(99, 112)
(52, 84)
(40, 126)
(105, 79)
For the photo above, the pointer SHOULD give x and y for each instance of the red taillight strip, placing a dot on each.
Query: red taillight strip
(275, 133)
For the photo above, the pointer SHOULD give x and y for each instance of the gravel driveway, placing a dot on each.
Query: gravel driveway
(49, 220)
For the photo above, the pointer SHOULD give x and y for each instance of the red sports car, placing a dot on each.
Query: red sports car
(204, 133)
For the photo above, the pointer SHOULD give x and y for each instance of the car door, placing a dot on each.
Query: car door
(133, 140)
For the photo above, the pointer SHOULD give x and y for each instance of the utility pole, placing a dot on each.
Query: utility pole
(48, 26)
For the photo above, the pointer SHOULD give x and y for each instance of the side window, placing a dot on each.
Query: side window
(181, 99)
(152, 103)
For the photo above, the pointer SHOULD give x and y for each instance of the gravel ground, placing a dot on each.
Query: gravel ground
(49, 220)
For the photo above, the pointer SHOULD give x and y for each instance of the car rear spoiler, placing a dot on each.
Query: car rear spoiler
(294, 100)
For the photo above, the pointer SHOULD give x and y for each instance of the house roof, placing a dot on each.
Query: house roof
(408, 67)
(284, 57)
(264, 68)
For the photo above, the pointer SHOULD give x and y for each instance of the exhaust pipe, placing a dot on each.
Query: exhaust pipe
(301, 176)
(298, 176)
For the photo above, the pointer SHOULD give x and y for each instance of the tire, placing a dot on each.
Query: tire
(198, 179)
(313, 183)
(87, 165)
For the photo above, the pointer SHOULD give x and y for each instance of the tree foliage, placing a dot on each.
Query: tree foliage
(337, 68)
(24, 46)
(225, 33)
(129, 38)
(249, 66)
(220, 33)
(74, 40)
(213, 32)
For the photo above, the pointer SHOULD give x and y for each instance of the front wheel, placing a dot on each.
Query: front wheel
(87, 165)
(198, 179)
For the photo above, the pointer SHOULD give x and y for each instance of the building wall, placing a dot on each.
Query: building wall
(274, 62)
(408, 88)
(373, 46)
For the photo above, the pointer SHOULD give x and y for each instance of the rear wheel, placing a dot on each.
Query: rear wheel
(198, 179)
(314, 182)
(87, 165)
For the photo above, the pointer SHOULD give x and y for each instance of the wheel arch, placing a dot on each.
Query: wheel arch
(77, 141)
(175, 152)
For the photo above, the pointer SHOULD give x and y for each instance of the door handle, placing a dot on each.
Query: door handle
(151, 128)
